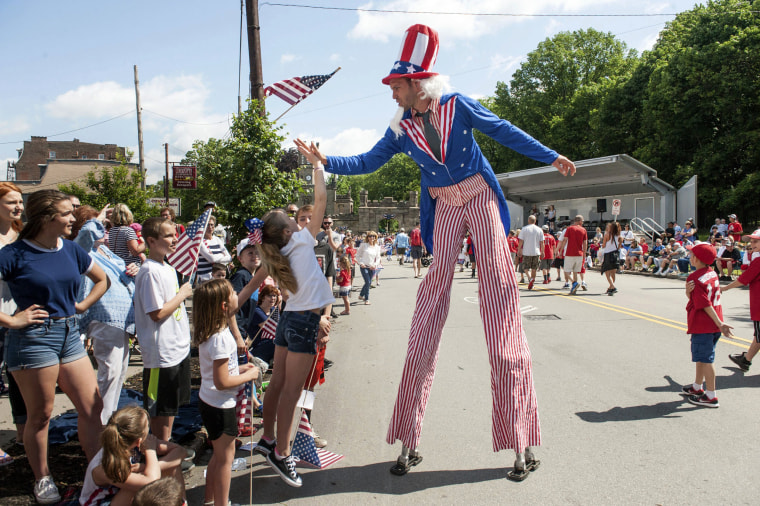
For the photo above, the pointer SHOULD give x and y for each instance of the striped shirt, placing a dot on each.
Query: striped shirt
(212, 251)
(118, 237)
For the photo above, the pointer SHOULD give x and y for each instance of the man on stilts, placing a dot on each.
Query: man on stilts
(459, 192)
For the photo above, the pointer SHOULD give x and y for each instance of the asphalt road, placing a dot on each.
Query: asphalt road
(607, 371)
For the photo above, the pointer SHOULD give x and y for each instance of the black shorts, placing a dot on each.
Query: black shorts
(558, 262)
(401, 251)
(218, 421)
(166, 389)
(416, 252)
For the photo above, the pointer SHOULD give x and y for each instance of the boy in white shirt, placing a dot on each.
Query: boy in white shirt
(163, 329)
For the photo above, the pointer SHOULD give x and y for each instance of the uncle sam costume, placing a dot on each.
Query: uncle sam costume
(459, 192)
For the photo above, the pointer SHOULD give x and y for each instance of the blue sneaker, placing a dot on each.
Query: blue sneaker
(574, 289)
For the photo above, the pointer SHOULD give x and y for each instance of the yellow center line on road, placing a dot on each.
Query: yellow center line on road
(639, 314)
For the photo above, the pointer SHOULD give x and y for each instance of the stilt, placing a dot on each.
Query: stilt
(525, 463)
(405, 461)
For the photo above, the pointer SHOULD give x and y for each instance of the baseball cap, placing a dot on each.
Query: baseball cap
(704, 252)
(545, 227)
(753, 235)
(732, 216)
(245, 243)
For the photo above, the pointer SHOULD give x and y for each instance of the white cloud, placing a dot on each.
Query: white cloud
(13, 126)
(174, 112)
(385, 27)
(502, 66)
(288, 58)
(348, 142)
(335, 57)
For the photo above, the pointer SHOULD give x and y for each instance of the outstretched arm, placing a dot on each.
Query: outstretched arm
(315, 157)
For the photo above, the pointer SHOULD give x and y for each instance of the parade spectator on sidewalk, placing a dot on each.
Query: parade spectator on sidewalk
(730, 258)
(415, 242)
(627, 236)
(111, 320)
(734, 228)
(550, 244)
(670, 263)
(212, 251)
(43, 347)
(122, 238)
(634, 255)
(689, 232)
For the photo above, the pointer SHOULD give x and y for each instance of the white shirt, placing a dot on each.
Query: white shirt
(218, 346)
(369, 255)
(164, 343)
(531, 236)
(313, 290)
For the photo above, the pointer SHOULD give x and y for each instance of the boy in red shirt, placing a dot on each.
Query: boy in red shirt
(750, 277)
(705, 324)
(546, 263)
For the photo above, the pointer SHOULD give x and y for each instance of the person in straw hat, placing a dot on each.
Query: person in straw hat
(459, 192)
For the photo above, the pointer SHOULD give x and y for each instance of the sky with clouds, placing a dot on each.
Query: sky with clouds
(68, 65)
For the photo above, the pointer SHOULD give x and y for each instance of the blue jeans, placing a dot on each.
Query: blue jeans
(367, 274)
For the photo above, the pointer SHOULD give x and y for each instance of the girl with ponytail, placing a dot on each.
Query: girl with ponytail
(116, 473)
(287, 253)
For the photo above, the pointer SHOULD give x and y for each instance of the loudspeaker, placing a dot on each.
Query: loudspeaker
(601, 205)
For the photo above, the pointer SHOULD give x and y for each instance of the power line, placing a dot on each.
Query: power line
(182, 121)
(76, 129)
(443, 13)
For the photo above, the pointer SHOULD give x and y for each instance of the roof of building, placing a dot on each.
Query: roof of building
(58, 172)
(595, 177)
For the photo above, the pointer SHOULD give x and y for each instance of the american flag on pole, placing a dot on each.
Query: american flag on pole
(296, 89)
(270, 326)
(304, 449)
(243, 409)
(185, 256)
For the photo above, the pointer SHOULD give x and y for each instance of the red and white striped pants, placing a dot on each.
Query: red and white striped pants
(515, 412)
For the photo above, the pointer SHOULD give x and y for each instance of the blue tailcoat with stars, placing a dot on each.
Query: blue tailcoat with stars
(462, 155)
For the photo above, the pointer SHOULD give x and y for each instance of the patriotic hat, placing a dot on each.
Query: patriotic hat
(418, 52)
(753, 235)
(704, 251)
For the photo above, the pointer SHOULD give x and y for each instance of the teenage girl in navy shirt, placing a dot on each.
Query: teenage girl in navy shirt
(43, 347)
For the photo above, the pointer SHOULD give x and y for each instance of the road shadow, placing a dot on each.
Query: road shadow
(669, 409)
(374, 478)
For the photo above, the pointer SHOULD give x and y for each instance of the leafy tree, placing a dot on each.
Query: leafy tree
(394, 179)
(288, 161)
(701, 111)
(557, 93)
(118, 184)
(239, 173)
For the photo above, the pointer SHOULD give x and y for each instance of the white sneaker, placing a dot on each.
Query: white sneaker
(45, 491)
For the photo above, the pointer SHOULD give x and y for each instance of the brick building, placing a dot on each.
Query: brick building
(36, 154)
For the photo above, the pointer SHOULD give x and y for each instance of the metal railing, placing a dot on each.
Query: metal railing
(646, 226)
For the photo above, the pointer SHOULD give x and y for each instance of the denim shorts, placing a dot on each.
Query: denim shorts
(44, 344)
(298, 330)
(703, 347)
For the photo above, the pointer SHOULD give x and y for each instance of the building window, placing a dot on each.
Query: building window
(84, 157)
(101, 156)
(51, 154)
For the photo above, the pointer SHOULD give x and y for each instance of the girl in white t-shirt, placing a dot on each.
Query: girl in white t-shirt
(287, 253)
(214, 303)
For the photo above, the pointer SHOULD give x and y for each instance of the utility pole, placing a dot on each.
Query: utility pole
(166, 178)
(254, 52)
(139, 131)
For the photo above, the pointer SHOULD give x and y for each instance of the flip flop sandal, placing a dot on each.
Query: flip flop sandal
(5, 459)
(400, 469)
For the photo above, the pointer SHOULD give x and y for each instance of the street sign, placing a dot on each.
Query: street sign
(183, 176)
(616, 207)
(174, 203)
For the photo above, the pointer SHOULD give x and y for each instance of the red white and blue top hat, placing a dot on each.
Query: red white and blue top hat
(418, 52)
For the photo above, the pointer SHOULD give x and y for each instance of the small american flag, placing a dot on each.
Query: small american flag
(304, 449)
(296, 89)
(269, 329)
(185, 256)
(243, 407)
